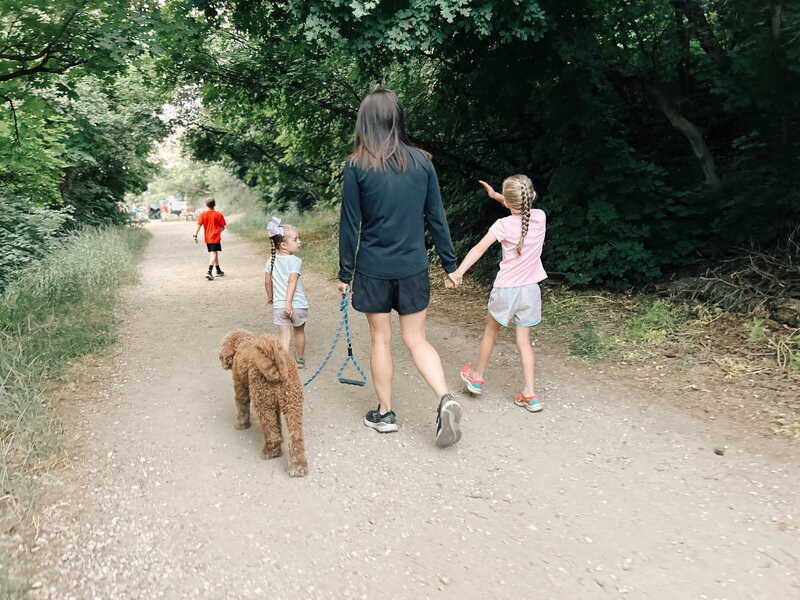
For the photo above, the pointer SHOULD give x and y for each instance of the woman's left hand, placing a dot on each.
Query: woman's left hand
(342, 287)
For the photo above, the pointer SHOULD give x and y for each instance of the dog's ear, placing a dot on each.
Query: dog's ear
(270, 358)
(230, 344)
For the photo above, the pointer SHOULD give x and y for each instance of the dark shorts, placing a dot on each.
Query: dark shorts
(407, 296)
(214, 247)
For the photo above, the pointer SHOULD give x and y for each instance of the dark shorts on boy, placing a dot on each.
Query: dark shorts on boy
(214, 247)
(407, 295)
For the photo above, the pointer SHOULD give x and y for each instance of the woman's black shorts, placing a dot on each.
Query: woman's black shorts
(214, 247)
(407, 296)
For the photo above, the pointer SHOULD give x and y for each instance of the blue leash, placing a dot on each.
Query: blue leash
(350, 357)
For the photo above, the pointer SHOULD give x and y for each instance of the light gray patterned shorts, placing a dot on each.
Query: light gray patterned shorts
(521, 306)
(299, 316)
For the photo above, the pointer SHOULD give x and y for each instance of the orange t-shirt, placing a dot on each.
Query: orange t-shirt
(212, 222)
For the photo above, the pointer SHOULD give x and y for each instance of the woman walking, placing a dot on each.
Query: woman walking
(390, 189)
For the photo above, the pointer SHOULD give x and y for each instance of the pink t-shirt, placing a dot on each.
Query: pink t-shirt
(525, 268)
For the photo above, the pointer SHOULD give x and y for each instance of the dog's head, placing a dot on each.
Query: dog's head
(270, 358)
(230, 344)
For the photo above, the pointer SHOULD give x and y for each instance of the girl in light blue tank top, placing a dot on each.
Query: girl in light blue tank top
(284, 287)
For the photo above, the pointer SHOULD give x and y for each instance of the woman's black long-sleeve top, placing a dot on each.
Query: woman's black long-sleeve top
(390, 208)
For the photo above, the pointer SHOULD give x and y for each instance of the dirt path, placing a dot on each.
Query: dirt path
(604, 494)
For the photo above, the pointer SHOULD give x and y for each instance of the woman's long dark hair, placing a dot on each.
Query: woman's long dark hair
(381, 137)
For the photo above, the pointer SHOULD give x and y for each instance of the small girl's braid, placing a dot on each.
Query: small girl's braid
(527, 200)
(272, 250)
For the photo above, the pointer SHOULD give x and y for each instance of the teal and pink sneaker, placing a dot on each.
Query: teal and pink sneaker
(474, 385)
(532, 403)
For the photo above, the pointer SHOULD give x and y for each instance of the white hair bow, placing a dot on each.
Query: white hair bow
(274, 227)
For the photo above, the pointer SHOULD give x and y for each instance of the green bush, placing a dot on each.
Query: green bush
(656, 319)
(28, 232)
(590, 344)
(56, 310)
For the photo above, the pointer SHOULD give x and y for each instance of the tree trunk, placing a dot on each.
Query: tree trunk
(65, 187)
(775, 25)
(687, 128)
(705, 35)
(775, 13)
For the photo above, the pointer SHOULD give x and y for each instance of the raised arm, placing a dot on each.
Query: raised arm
(492, 194)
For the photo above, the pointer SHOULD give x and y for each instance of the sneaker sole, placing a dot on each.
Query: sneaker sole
(382, 427)
(469, 386)
(450, 431)
(530, 407)
(210, 277)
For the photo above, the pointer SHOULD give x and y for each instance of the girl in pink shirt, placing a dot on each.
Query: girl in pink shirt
(515, 297)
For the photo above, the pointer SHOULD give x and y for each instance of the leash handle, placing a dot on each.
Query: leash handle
(343, 322)
(350, 356)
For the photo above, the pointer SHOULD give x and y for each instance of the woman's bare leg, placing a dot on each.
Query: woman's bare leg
(380, 363)
(426, 358)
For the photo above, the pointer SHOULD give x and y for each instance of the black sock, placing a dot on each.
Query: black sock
(218, 269)
(210, 267)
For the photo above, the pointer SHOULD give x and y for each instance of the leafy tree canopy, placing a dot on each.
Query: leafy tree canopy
(655, 132)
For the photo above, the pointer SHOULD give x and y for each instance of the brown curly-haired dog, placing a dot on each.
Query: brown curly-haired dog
(265, 375)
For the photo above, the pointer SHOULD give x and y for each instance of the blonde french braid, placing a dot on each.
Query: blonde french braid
(527, 199)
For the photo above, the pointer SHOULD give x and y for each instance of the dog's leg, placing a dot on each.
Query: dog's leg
(271, 428)
(293, 413)
(242, 400)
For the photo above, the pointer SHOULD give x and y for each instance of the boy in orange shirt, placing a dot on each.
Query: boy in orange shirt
(212, 223)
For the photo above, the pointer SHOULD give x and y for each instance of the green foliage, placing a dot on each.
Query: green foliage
(29, 234)
(78, 113)
(193, 182)
(56, 310)
(590, 344)
(656, 320)
(57, 36)
(656, 133)
(756, 330)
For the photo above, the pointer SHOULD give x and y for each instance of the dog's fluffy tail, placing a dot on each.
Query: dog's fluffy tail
(230, 343)
(271, 358)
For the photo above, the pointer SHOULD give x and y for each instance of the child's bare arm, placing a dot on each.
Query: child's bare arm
(492, 194)
(268, 286)
(473, 255)
(290, 288)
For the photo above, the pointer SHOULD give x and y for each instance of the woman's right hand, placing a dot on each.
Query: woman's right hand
(342, 287)
(453, 280)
